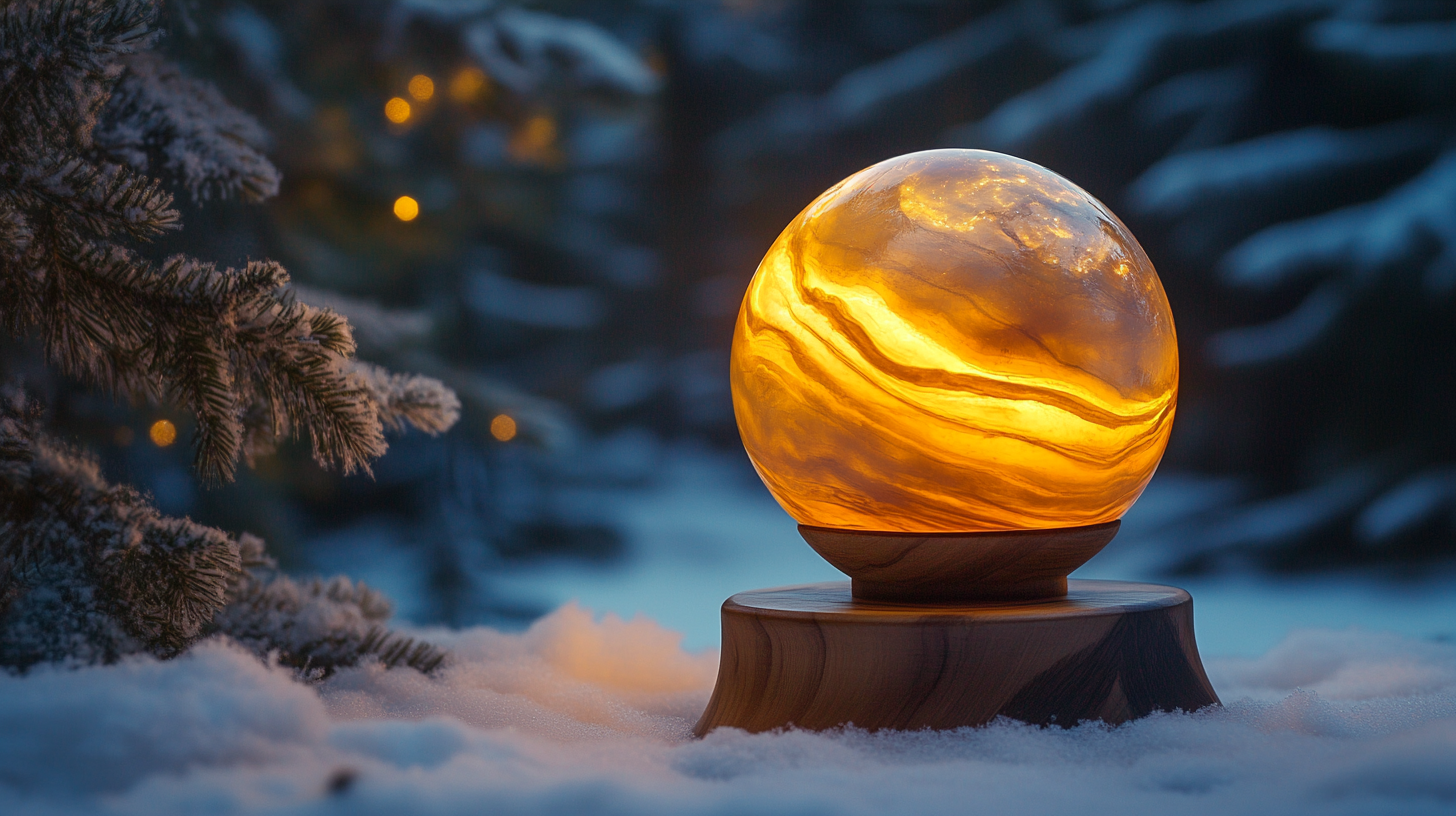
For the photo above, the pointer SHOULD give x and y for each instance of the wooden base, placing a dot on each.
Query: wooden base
(814, 657)
(959, 567)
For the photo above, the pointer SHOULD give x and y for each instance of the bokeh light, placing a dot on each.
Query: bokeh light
(406, 208)
(534, 141)
(421, 87)
(468, 85)
(163, 433)
(503, 428)
(397, 111)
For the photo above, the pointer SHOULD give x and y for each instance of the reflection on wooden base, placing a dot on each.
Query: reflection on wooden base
(815, 657)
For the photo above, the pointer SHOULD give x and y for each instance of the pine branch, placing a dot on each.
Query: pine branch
(159, 116)
(316, 626)
(232, 346)
(88, 570)
(217, 342)
(76, 197)
(402, 399)
(57, 60)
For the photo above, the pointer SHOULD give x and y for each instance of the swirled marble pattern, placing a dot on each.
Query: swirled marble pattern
(955, 341)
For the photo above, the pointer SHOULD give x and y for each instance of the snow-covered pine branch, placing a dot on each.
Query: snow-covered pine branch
(315, 626)
(159, 115)
(90, 571)
(408, 399)
(232, 346)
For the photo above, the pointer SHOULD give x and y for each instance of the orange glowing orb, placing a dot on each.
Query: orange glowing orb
(406, 208)
(955, 341)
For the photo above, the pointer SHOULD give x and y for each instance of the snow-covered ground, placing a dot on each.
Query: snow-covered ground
(1340, 697)
(577, 716)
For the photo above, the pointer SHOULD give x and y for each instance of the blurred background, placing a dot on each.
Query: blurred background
(555, 208)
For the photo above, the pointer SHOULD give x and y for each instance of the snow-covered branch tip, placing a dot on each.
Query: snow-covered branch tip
(408, 399)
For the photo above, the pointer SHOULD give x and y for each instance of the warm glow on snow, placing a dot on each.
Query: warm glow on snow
(422, 87)
(406, 208)
(955, 341)
(397, 111)
(163, 433)
(503, 428)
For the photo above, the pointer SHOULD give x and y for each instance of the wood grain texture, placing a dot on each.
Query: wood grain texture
(813, 657)
(959, 567)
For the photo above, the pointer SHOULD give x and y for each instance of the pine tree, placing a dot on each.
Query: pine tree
(529, 283)
(89, 570)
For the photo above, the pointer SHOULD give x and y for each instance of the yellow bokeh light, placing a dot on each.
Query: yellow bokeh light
(397, 111)
(421, 87)
(406, 208)
(468, 85)
(955, 341)
(535, 141)
(503, 428)
(163, 433)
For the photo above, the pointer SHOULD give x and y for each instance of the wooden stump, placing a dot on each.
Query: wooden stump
(815, 657)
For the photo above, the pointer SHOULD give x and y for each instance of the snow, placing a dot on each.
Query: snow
(557, 307)
(1339, 693)
(521, 49)
(580, 715)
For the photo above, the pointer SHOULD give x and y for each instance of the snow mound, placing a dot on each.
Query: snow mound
(579, 716)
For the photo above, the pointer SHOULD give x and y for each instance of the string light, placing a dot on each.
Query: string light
(163, 433)
(503, 428)
(397, 111)
(406, 208)
(422, 87)
(534, 141)
(469, 85)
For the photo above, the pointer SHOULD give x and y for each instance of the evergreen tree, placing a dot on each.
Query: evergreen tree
(528, 281)
(89, 570)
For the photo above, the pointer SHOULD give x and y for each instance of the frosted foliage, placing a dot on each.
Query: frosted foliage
(233, 346)
(90, 572)
(215, 149)
(314, 625)
(579, 716)
(409, 399)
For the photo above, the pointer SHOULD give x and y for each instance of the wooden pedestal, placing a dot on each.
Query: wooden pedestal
(815, 657)
(959, 567)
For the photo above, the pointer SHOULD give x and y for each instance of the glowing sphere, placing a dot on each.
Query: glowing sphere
(955, 341)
